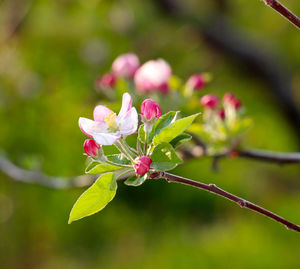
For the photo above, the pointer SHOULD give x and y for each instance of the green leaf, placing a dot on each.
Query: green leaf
(94, 198)
(136, 181)
(142, 134)
(195, 128)
(118, 159)
(161, 123)
(180, 139)
(95, 168)
(164, 157)
(176, 128)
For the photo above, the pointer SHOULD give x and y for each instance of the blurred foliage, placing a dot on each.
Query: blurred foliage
(50, 54)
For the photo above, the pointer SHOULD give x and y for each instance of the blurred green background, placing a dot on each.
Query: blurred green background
(50, 54)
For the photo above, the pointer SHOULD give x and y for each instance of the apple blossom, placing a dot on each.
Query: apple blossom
(142, 165)
(209, 101)
(108, 127)
(125, 65)
(91, 147)
(153, 75)
(150, 110)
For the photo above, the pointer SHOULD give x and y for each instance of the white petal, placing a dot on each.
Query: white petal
(106, 138)
(100, 112)
(126, 104)
(128, 124)
(89, 127)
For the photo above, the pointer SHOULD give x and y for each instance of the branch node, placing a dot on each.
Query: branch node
(242, 203)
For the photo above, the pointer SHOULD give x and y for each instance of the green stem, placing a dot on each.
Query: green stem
(145, 145)
(127, 148)
(121, 148)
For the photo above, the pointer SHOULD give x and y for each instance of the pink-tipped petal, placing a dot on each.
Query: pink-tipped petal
(106, 138)
(126, 104)
(129, 123)
(153, 75)
(88, 127)
(100, 112)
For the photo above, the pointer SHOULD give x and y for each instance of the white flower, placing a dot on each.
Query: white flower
(153, 75)
(107, 127)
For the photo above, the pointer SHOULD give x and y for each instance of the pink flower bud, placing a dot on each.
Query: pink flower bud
(196, 82)
(209, 101)
(229, 98)
(153, 75)
(108, 80)
(91, 147)
(150, 109)
(221, 114)
(142, 165)
(125, 65)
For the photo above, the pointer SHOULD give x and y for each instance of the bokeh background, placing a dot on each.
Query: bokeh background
(50, 55)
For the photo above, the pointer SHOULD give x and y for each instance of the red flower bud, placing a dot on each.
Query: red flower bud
(209, 101)
(108, 80)
(150, 109)
(221, 114)
(125, 65)
(229, 98)
(196, 82)
(91, 147)
(142, 165)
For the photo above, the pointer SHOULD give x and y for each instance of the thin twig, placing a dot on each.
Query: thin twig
(34, 177)
(240, 201)
(283, 11)
(280, 158)
(270, 156)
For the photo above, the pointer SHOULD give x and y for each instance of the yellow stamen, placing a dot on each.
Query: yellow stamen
(111, 122)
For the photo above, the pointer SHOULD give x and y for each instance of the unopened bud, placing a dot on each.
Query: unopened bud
(209, 101)
(142, 165)
(196, 82)
(91, 147)
(108, 80)
(150, 110)
(125, 65)
(229, 98)
(221, 114)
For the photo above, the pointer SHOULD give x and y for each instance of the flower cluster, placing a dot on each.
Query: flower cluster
(152, 76)
(222, 123)
(229, 102)
(158, 137)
